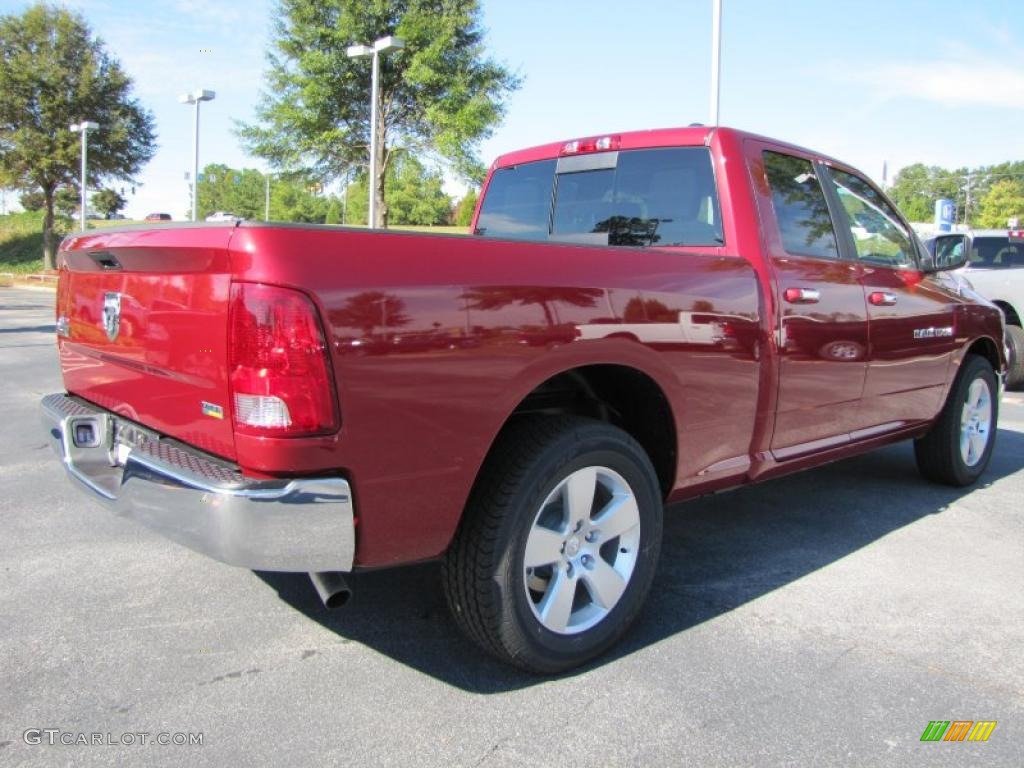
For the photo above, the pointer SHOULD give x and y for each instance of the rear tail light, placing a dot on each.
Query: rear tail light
(280, 375)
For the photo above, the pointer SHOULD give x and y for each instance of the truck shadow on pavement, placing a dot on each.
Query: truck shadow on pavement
(719, 553)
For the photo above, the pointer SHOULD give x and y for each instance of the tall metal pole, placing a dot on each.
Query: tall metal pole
(383, 45)
(83, 128)
(716, 57)
(266, 214)
(195, 163)
(85, 153)
(374, 85)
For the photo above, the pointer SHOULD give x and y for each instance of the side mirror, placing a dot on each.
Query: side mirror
(948, 252)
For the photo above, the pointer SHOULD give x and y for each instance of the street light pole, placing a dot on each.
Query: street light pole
(716, 57)
(200, 94)
(266, 214)
(383, 45)
(83, 128)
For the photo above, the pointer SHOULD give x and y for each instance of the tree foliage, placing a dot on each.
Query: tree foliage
(917, 187)
(55, 72)
(108, 202)
(1005, 200)
(462, 216)
(66, 201)
(242, 191)
(441, 93)
(416, 195)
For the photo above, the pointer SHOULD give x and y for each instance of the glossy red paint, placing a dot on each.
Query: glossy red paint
(435, 340)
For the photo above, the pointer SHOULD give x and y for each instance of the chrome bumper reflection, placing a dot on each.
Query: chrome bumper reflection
(210, 507)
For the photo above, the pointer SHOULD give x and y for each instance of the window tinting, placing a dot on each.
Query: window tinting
(800, 207)
(878, 235)
(652, 197)
(996, 253)
(518, 201)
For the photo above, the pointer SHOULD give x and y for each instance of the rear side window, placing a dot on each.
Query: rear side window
(801, 210)
(634, 198)
(517, 204)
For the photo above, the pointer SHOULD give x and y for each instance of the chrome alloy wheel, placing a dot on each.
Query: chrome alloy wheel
(581, 550)
(975, 422)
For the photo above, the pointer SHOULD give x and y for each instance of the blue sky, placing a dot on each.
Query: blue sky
(938, 82)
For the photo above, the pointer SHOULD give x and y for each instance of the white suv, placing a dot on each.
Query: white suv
(995, 269)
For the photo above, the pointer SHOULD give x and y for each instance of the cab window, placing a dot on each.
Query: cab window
(649, 197)
(517, 203)
(801, 211)
(879, 236)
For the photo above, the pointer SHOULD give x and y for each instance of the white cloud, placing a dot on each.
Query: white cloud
(966, 80)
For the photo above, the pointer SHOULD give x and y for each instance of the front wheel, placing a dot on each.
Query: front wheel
(957, 449)
(558, 545)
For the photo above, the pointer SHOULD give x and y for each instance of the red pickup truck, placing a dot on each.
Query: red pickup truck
(638, 319)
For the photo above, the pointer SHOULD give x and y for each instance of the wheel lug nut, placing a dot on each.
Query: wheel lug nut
(588, 561)
(593, 536)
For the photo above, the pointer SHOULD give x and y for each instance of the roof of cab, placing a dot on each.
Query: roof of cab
(690, 136)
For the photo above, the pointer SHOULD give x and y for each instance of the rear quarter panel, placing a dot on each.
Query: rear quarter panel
(437, 339)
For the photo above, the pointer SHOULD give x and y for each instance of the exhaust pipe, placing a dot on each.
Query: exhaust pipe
(334, 591)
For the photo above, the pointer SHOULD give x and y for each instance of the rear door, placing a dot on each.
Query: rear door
(822, 329)
(911, 315)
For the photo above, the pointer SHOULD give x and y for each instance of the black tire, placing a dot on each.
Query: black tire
(938, 453)
(1015, 365)
(485, 580)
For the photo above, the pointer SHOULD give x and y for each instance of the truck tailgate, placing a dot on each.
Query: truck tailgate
(142, 319)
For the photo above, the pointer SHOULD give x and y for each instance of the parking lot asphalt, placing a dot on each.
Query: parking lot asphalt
(821, 619)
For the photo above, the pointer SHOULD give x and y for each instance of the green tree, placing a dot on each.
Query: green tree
(234, 190)
(440, 93)
(54, 72)
(333, 211)
(417, 196)
(32, 200)
(916, 188)
(66, 201)
(463, 214)
(108, 202)
(1004, 199)
(357, 200)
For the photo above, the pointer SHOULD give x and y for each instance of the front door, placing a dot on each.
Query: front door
(822, 328)
(912, 329)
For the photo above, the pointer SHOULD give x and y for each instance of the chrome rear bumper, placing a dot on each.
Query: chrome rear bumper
(276, 525)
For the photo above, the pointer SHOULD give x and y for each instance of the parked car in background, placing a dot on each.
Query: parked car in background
(223, 216)
(995, 269)
(158, 217)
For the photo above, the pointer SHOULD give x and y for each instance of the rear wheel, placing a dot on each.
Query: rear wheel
(559, 543)
(1015, 367)
(957, 449)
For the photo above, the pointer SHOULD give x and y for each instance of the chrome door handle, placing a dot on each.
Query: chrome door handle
(801, 295)
(882, 298)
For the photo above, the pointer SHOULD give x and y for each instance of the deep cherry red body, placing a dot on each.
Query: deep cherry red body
(432, 342)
